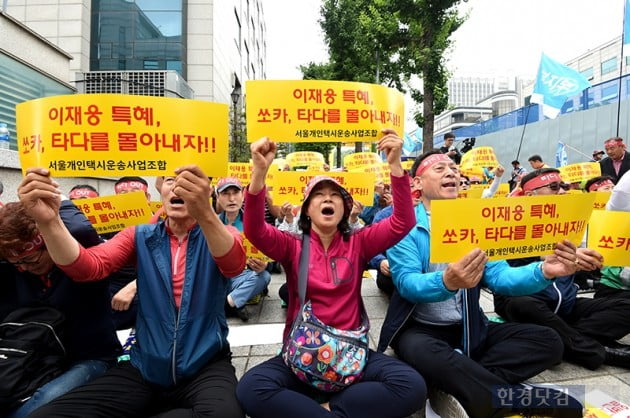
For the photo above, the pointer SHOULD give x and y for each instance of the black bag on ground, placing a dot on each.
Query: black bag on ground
(31, 353)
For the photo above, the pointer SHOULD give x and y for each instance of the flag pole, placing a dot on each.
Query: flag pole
(623, 36)
(523, 132)
(576, 150)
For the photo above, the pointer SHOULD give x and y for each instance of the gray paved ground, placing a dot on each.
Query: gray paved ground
(613, 381)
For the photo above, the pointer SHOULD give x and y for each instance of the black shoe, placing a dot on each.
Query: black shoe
(231, 311)
(618, 355)
(534, 401)
(242, 314)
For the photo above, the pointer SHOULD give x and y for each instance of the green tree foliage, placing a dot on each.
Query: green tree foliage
(389, 42)
(239, 148)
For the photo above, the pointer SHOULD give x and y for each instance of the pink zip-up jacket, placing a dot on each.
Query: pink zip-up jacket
(334, 281)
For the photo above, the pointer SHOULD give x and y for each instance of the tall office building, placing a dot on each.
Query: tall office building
(202, 49)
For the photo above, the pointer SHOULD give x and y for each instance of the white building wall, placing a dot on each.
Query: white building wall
(65, 23)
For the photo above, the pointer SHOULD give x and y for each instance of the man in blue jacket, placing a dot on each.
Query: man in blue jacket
(181, 362)
(589, 327)
(434, 321)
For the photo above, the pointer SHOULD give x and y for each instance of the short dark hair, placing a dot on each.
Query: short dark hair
(131, 178)
(590, 182)
(420, 158)
(515, 162)
(535, 157)
(449, 135)
(538, 172)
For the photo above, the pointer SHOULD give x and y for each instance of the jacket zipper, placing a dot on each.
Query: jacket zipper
(466, 324)
(174, 358)
(559, 298)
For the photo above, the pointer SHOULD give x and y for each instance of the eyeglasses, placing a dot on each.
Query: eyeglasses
(464, 183)
(555, 186)
(26, 262)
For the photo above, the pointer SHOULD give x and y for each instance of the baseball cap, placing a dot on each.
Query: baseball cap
(316, 180)
(226, 182)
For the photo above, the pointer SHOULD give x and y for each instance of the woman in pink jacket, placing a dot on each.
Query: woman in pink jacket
(337, 257)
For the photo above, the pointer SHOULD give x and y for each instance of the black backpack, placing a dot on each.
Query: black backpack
(31, 353)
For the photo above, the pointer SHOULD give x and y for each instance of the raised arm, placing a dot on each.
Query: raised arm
(263, 153)
(41, 197)
(192, 185)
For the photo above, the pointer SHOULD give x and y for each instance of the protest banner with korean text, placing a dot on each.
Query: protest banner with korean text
(609, 234)
(478, 157)
(243, 172)
(575, 173)
(116, 212)
(360, 159)
(601, 198)
(289, 185)
(322, 111)
(381, 171)
(507, 227)
(121, 135)
(253, 252)
(470, 193)
(304, 158)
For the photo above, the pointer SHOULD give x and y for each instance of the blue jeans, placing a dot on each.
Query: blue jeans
(78, 374)
(247, 285)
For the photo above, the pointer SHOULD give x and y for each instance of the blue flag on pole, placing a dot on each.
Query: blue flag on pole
(561, 155)
(554, 83)
(626, 23)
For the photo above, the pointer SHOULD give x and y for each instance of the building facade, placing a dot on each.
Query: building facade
(214, 46)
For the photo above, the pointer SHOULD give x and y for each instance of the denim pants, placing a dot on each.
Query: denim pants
(79, 374)
(247, 285)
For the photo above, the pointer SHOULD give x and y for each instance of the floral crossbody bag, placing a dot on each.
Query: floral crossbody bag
(327, 358)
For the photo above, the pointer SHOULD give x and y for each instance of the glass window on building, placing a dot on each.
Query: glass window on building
(138, 35)
(609, 65)
(20, 83)
(609, 92)
(588, 73)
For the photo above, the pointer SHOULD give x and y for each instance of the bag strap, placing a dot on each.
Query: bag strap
(303, 268)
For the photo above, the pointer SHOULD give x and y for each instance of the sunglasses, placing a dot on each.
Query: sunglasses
(555, 186)
(464, 183)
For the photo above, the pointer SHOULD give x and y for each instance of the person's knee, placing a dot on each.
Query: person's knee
(549, 342)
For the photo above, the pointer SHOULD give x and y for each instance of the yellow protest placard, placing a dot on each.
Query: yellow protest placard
(609, 233)
(407, 164)
(116, 212)
(601, 198)
(304, 158)
(241, 171)
(381, 171)
(121, 135)
(155, 206)
(470, 193)
(253, 252)
(507, 227)
(575, 173)
(289, 185)
(479, 157)
(322, 111)
(503, 190)
(360, 159)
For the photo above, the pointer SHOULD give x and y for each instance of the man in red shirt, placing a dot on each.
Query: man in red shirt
(182, 358)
